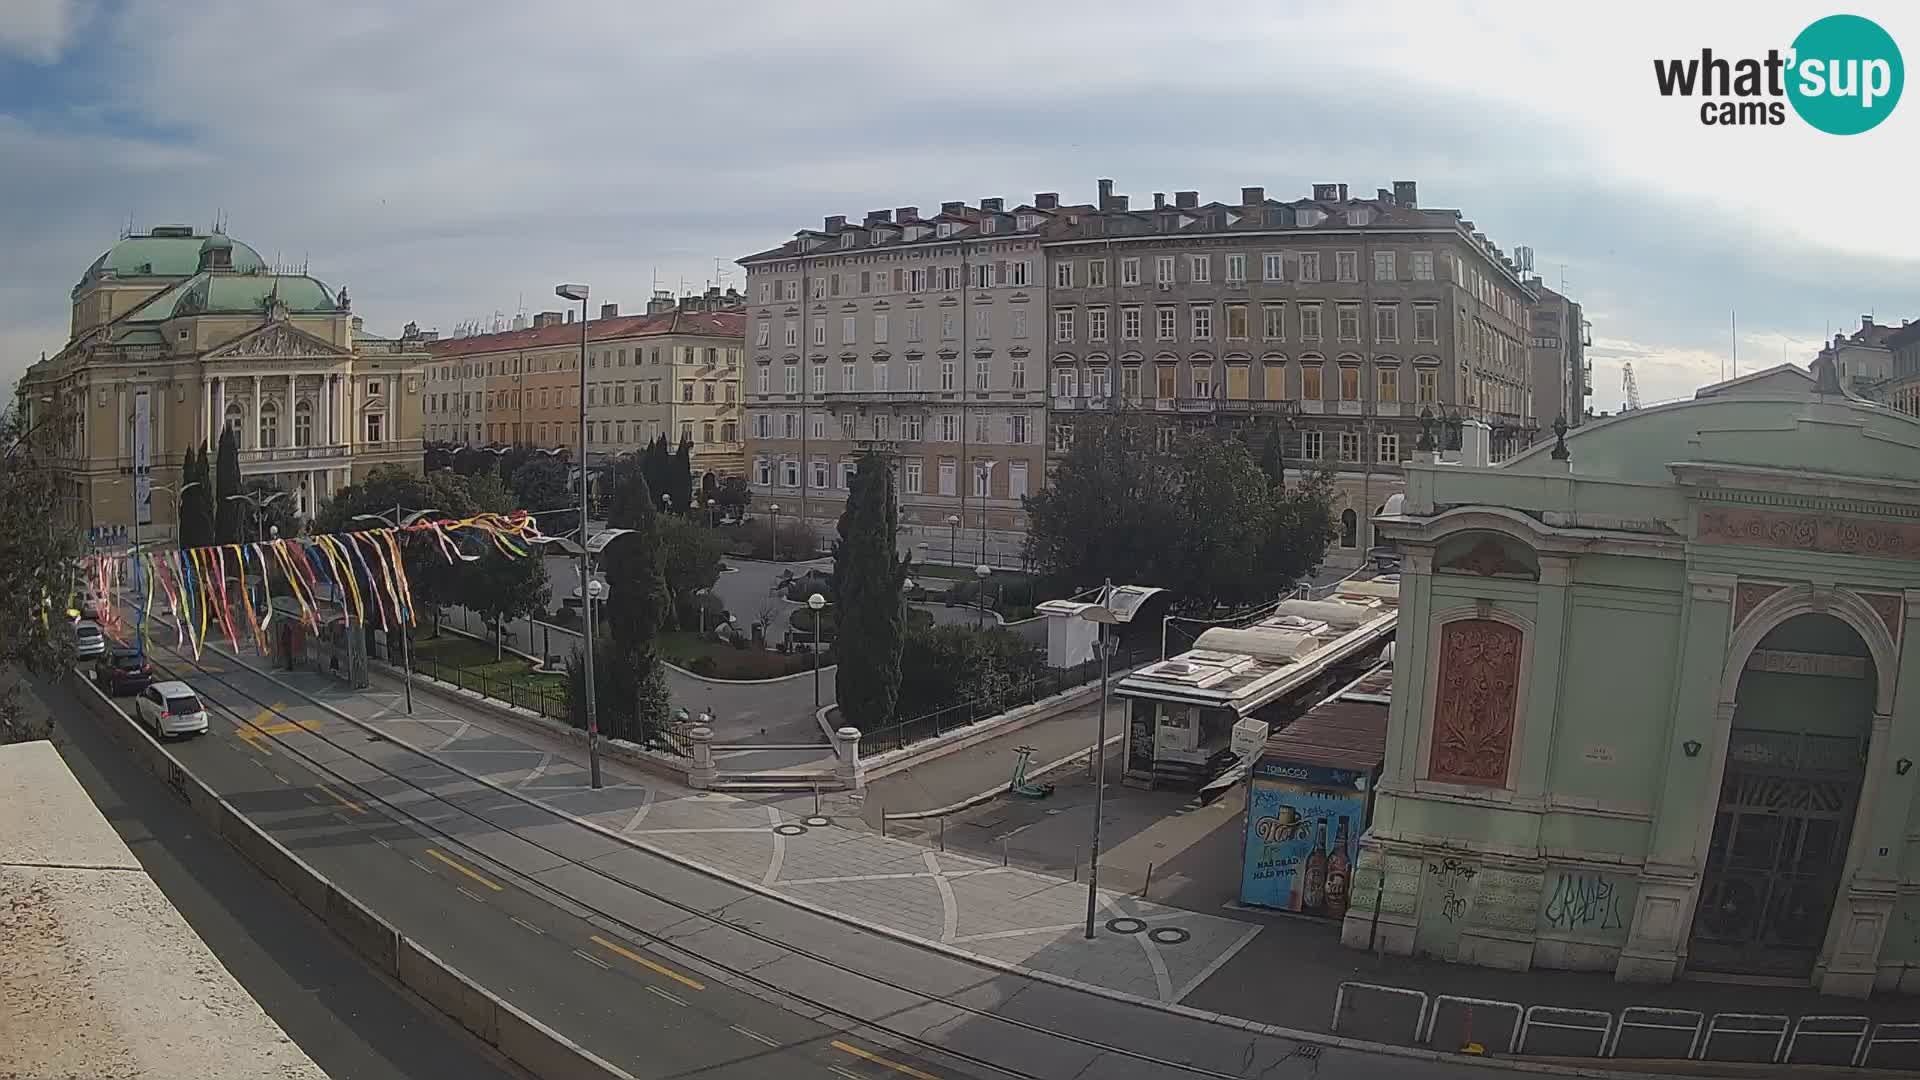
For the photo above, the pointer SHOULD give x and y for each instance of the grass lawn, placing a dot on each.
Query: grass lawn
(471, 664)
(942, 570)
(686, 649)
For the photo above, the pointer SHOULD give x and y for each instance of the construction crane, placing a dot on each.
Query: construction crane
(1632, 388)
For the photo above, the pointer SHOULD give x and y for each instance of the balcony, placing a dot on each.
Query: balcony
(881, 397)
(293, 453)
(1312, 406)
(1080, 404)
(1349, 408)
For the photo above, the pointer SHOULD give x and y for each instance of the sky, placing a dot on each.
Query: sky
(450, 159)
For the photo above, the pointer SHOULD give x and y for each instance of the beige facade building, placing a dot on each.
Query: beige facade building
(919, 337)
(177, 334)
(673, 372)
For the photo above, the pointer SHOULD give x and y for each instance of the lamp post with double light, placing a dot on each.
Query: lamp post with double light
(816, 604)
(1117, 607)
(578, 294)
(400, 519)
(590, 590)
(259, 501)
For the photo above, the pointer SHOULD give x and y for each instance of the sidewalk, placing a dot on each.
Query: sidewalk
(988, 765)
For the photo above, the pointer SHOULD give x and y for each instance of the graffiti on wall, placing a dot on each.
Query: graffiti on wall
(1451, 878)
(1587, 903)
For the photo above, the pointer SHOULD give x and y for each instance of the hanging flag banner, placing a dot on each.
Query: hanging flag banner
(357, 577)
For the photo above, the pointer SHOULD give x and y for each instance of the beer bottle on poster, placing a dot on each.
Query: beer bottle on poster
(1339, 874)
(1315, 890)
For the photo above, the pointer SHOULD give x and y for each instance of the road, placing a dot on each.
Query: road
(653, 1016)
(353, 1023)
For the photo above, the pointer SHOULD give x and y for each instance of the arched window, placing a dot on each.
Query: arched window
(235, 418)
(269, 425)
(1349, 529)
(303, 424)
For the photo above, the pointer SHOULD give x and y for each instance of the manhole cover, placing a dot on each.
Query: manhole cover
(816, 821)
(790, 829)
(1168, 935)
(1126, 925)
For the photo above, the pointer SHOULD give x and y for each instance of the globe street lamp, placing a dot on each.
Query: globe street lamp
(981, 572)
(953, 539)
(817, 604)
(773, 531)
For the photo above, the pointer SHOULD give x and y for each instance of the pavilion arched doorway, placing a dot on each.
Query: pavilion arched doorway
(1795, 761)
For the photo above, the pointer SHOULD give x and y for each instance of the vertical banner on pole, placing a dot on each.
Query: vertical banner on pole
(143, 456)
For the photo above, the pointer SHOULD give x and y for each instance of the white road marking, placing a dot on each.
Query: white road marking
(475, 897)
(594, 960)
(949, 905)
(538, 771)
(344, 819)
(779, 849)
(381, 842)
(657, 992)
(423, 867)
(754, 1035)
(311, 797)
(525, 925)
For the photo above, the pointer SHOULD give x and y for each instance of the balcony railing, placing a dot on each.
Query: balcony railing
(882, 397)
(292, 453)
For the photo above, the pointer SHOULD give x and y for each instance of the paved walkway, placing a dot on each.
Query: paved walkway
(987, 765)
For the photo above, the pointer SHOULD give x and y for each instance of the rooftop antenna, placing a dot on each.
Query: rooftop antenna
(1736, 344)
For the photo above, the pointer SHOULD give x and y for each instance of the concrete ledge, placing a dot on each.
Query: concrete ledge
(368, 933)
(276, 862)
(926, 750)
(449, 991)
(545, 1052)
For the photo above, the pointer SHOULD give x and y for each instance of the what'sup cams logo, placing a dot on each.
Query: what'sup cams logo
(1843, 76)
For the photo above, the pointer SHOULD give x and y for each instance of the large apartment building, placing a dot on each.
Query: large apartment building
(1562, 374)
(674, 371)
(1330, 322)
(920, 337)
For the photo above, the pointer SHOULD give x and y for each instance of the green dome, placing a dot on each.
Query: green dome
(170, 251)
(237, 294)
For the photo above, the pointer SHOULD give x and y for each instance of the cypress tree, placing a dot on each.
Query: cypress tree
(682, 478)
(637, 600)
(196, 501)
(869, 619)
(229, 515)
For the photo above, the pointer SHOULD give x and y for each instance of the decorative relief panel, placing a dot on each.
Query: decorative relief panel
(1749, 595)
(1473, 716)
(1890, 609)
(1506, 899)
(1828, 533)
(1488, 557)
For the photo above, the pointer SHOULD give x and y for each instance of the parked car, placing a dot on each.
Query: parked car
(88, 641)
(171, 708)
(122, 671)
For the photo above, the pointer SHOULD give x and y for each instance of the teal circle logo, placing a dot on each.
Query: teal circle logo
(1846, 75)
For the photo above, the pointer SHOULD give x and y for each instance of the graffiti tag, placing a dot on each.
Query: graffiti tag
(1584, 902)
(1452, 874)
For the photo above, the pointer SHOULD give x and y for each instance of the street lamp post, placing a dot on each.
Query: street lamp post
(139, 587)
(773, 530)
(953, 539)
(579, 293)
(981, 572)
(1109, 617)
(817, 604)
(397, 522)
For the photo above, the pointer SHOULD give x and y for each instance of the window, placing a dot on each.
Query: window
(1273, 326)
(917, 280)
(1017, 374)
(1383, 266)
(1017, 273)
(1236, 269)
(849, 377)
(303, 424)
(910, 427)
(914, 479)
(762, 335)
(1310, 378)
(1099, 388)
(1165, 382)
(1017, 429)
(983, 276)
(1202, 322)
(686, 390)
(762, 472)
(913, 374)
(1349, 524)
(880, 375)
(1061, 438)
(1066, 382)
(1389, 446)
(1349, 321)
(848, 329)
(1422, 266)
(1271, 267)
(980, 372)
(733, 393)
(1163, 270)
(1426, 318)
(1310, 445)
(1130, 324)
(706, 431)
(949, 326)
(915, 326)
(1347, 265)
(1389, 388)
(866, 281)
(1063, 326)
(1017, 479)
(1096, 273)
(791, 425)
(1203, 381)
(949, 474)
(1063, 274)
(1425, 384)
(946, 375)
(949, 428)
(270, 424)
(846, 425)
(819, 288)
(882, 425)
(819, 473)
(1200, 268)
(1349, 382)
(792, 334)
(1386, 322)
(762, 428)
(983, 323)
(1349, 451)
(981, 428)
(376, 432)
(1020, 322)
(880, 329)
(1237, 322)
(1097, 324)
(790, 474)
(1168, 322)
(766, 292)
(1309, 266)
(1129, 271)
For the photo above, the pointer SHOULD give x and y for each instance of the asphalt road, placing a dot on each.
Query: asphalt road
(617, 998)
(353, 1023)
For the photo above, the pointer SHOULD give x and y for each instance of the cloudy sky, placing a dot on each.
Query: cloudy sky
(447, 159)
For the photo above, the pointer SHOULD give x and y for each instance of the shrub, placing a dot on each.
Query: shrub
(704, 665)
(944, 666)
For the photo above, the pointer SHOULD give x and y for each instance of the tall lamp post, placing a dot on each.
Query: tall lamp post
(400, 519)
(579, 293)
(773, 530)
(139, 588)
(953, 539)
(981, 572)
(817, 604)
(259, 503)
(1116, 607)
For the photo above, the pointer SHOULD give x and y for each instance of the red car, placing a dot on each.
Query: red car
(122, 671)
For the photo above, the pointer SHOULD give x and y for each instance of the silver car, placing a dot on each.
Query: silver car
(88, 641)
(171, 708)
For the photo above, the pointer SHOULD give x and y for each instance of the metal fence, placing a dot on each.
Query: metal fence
(548, 697)
(1044, 683)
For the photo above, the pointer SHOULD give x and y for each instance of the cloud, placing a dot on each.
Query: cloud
(38, 31)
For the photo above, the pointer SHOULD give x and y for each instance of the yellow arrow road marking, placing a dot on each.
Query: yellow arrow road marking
(255, 732)
(463, 868)
(660, 969)
(341, 799)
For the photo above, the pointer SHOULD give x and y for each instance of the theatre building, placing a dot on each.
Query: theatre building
(1648, 713)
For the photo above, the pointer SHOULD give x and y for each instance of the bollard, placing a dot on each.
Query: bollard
(816, 798)
(883, 818)
(1003, 851)
(943, 832)
(1148, 884)
(1076, 862)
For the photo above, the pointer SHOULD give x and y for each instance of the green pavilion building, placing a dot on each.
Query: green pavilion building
(1648, 714)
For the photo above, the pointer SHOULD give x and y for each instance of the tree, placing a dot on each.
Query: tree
(1273, 459)
(275, 515)
(436, 581)
(656, 467)
(196, 500)
(38, 582)
(631, 700)
(470, 462)
(509, 462)
(637, 597)
(1227, 510)
(680, 477)
(229, 515)
(869, 612)
(1110, 510)
(504, 587)
(690, 555)
(944, 666)
(540, 483)
(734, 496)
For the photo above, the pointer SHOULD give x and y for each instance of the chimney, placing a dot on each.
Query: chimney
(1866, 323)
(569, 316)
(661, 304)
(906, 213)
(1106, 194)
(879, 215)
(1404, 194)
(1046, 200)
(1326, 192)
(953, 207)
(1186, 200)
(609, 311)
(1120, 202)
(836, 222)
(1383, 195)
(993, 205)
(1159, 200)
(1343, 193)
(1252, 196)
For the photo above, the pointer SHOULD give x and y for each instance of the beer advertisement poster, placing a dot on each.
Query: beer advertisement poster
(1302, 834)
